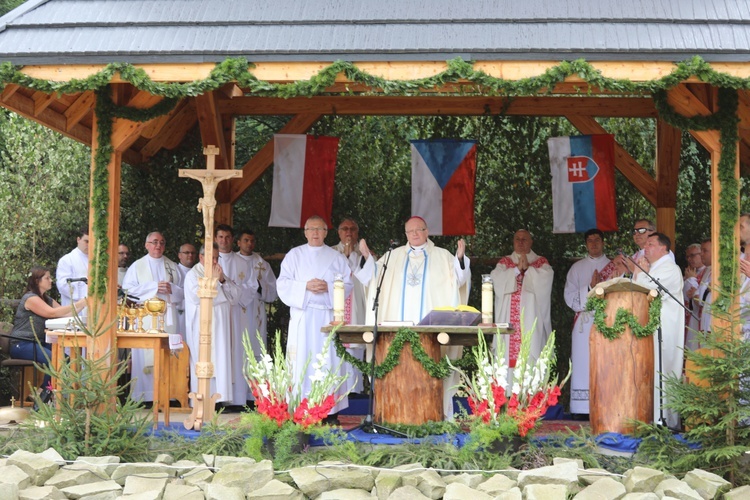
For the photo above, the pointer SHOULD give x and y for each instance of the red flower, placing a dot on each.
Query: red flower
(498, 394)
(554, 393)
(513, 405)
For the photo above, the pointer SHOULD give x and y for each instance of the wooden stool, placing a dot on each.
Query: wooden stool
(179, 378)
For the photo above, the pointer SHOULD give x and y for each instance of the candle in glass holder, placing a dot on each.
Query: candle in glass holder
(339, 298)
(487, 299)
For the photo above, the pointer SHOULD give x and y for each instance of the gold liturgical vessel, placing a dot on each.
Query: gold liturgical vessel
(156, 307)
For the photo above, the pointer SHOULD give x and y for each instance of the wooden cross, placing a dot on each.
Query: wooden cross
(203, 403)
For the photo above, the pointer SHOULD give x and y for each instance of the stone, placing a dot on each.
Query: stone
(564, 474)
(144, 495)
(740, 493)
(407, 493)
(642, 479)
(38, 468)
(164, 458)
(414, 468)
(139, 468)
(604, 489)
(429, 482)
(145, 482)
(345, 494)
(66, 477)
(470, 480)
(647, 495)
(9, 492)
(107, 495)
(497, 485)
(512, 494)
(512, 473)
(275, 490)
(41, 493)
(83, 490)
(314, 481)
(678, 489)
(459, 491)
(221, 492)
(199, 476)
(244, 475)
(386, 483)
(209, 460)
(182, 492)
(183, 467)
(707, 484)
(563, 460)
(13, 475)
(548, 491)
(98, 465)
(590, 476)
(222, 460)
(52, 455)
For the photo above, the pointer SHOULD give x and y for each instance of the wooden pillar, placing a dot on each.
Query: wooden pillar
(668, 144)
(224, 213)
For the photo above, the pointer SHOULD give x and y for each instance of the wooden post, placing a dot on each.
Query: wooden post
(203, 402)
(668, 143)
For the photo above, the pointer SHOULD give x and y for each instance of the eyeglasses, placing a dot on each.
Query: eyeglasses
(640, 230)
(416, 231)
(316, 229)
(188, 253)
(157, 243)
(347, 228)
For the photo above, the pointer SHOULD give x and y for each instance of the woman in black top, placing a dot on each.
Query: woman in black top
(28, 340)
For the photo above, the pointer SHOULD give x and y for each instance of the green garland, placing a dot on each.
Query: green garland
(624, 318)
(458, 71)
(435, 369)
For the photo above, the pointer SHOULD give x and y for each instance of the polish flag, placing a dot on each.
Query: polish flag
(303, 174)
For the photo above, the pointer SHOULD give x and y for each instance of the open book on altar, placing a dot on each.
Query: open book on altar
(452, 316)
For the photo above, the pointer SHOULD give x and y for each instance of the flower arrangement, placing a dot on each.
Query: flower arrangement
(533, 389)
(278, 396)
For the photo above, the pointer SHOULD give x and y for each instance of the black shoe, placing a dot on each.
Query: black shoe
(250, 404)
(332, 419)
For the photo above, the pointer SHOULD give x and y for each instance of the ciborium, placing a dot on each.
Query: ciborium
(156, 307)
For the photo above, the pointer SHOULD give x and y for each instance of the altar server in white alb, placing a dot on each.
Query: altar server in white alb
(419, 278)
(583, 276)
(523, 283)
(305, 284)
(227, 295)
(74, 265)
(152, 275)
(658, 263)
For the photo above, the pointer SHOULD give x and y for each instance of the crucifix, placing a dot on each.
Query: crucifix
(203, 402)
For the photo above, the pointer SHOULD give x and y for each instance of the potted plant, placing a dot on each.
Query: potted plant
(503, 414)
(283, 418)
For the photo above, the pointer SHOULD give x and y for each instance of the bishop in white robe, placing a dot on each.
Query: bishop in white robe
(305, 284)
(582, 277)
(658, 263)
(152, 275)
(228, 294)
(523, 283)
(419, 278)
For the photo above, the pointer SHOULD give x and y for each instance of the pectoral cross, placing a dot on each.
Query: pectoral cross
(203, 403)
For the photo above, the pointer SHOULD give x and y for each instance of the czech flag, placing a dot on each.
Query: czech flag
(443, 173)
(303, 172)
(583, 183)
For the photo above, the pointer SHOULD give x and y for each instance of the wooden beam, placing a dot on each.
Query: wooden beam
(285, 72)
(41, 101)
(668, 146)
(80, 108)
(50, 118)
(263, 159)
(212, 131)
(172, 133)
(8, 91)
(688, 104)
(125, 132)
(625, 163)
(446, 105)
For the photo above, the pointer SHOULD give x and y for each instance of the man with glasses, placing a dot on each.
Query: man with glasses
(641, 230)
(419, 278)
(153, 275)
(305, 284)
(187, 257)
(694, 274)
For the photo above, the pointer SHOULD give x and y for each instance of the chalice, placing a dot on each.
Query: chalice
(156, 307)
(132, 315)
(141, 313)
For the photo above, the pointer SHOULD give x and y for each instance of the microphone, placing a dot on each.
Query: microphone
(393, 244)
(73, 280)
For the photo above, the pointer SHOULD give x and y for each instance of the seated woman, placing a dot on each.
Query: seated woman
(36, 307)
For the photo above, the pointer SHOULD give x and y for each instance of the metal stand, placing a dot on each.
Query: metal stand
(368, 425)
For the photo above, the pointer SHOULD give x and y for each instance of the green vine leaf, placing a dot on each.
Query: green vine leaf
(624, 318)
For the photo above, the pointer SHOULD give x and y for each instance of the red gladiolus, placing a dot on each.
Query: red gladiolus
(554, 394)
(498, 394)
(513, 405)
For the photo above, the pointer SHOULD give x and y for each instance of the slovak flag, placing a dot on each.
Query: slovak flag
(303, 172)
(583, 183)
(443, 173)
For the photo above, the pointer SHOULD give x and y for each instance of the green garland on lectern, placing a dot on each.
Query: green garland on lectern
(624, 318)
(438, 369)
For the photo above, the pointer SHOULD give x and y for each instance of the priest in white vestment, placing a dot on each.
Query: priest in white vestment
(583, 276)
(74, 266)
(236, 270)
(642, 229)
(419, 278)
(262, 285)
(221, 356)
(695, 271)
(187, 256)
(152, 275)
(523, 283)
(354, 309)
(305, 284)
(658, 263)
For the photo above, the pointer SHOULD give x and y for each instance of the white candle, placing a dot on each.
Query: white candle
(487, 299)
(339, 298)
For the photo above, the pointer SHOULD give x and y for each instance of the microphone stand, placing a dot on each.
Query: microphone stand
(660, 340)
(368, 425)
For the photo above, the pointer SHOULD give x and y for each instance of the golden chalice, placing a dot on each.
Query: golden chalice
(142, 313)
(156, 307)
(132, 315)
